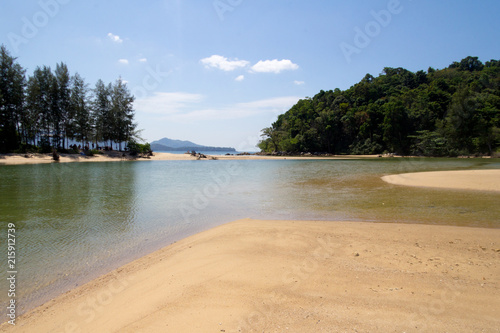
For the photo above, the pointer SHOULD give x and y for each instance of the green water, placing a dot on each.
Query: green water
(75, 221)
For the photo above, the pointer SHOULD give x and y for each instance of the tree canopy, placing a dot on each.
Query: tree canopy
(448, 112)
(49, 108)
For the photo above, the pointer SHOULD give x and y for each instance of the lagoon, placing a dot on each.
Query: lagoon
(76, 221)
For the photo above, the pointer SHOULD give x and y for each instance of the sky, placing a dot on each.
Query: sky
(216, 72)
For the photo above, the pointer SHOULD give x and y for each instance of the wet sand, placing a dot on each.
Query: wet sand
(294, 276)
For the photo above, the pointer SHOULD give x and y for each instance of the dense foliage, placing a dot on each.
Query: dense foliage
(448, 112)
(136, 148)
(51, 107)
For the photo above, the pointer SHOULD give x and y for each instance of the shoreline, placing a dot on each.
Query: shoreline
(115, 156)
(255, 275)
(18, 159)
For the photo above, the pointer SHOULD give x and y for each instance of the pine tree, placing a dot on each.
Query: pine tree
(62, 102)
(101, 106)
(12, 86)
(82, 123)
(122, 111)
(40, 105)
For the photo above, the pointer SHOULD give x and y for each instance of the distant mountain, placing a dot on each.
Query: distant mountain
(167, 144)
(176, 143)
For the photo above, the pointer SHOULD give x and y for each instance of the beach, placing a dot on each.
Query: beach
(294, 276)
(16, 159)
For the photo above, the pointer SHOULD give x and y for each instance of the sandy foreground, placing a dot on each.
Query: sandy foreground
(484, 180)
(294, 276)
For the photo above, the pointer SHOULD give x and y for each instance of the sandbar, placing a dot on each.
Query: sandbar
(294, 276)
(482, 180)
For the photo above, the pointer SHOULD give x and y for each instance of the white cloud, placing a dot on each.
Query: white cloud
(166, 103)
(143, 60)
(273, 106)
(115, 38)
(184, 107)
(123, 61)
(274, 66)
(299, 83)
(222, 63)
(240, 78)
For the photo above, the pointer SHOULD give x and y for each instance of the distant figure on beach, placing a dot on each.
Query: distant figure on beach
(55, 155)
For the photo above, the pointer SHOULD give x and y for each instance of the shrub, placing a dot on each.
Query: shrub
(137, 148)
(92, 152)
(26, 148)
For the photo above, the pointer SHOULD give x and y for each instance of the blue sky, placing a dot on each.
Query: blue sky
(218, 71)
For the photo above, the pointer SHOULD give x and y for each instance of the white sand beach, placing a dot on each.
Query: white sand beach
(294, 276)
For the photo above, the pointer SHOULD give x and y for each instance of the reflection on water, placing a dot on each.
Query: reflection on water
(68, 219)
(353, 190)
(78, 220)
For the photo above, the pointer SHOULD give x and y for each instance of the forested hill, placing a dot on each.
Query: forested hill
(448, 112)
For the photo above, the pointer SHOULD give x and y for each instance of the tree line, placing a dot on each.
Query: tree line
(448, 112)
(47, 109)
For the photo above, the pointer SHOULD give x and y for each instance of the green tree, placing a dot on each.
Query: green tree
(12, 86)
(122, 113)
(471, 64)
(101, 106)
(270, 139)
(441, 112)
(39, 105)
(82, 123)
(460, 120)
(61, 103)
(396, 127)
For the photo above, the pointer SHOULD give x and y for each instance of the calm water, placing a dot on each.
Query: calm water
(205, 152)
(76, 221)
